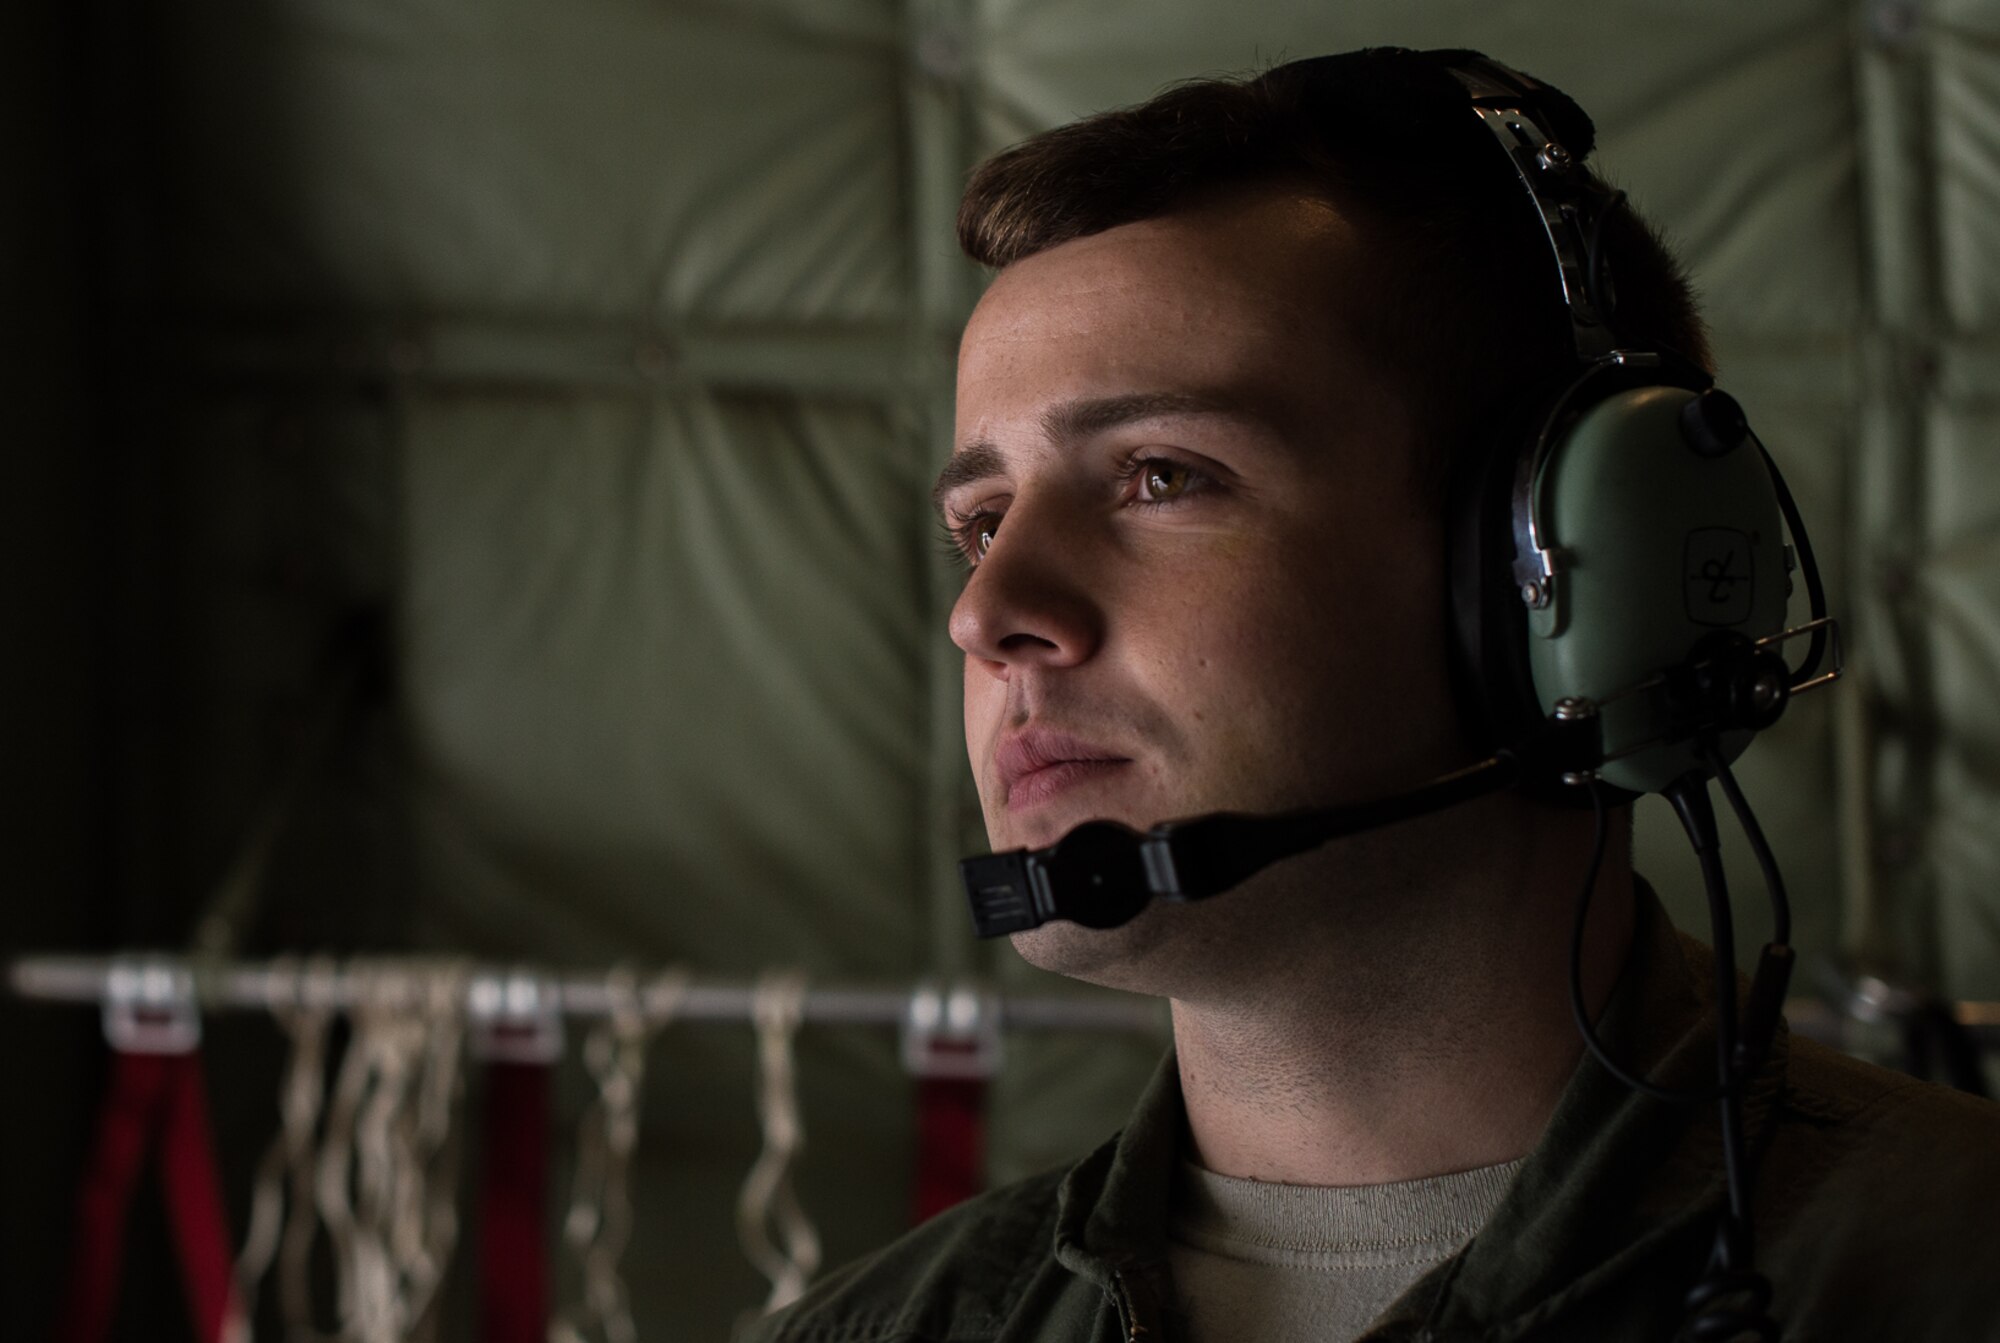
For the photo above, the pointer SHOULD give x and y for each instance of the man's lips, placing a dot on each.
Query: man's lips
(1035, 765)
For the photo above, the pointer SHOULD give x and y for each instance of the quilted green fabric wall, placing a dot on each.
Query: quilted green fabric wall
(607, 348)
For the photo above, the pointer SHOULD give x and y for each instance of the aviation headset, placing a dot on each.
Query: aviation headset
(1619, 583)
(1636, 529)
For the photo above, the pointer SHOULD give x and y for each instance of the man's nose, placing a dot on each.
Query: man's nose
(1028, 602)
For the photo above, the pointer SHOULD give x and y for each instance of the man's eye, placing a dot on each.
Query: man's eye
(1161, 480)
(974, 534)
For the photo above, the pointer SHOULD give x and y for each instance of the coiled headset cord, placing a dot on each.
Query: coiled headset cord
(1732, 1300)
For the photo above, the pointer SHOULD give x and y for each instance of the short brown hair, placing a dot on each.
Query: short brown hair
(1471, 320)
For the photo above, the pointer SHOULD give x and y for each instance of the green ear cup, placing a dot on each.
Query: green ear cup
(1661, 542)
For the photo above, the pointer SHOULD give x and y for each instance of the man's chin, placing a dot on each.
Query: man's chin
(1039, 830)
(1115, 958)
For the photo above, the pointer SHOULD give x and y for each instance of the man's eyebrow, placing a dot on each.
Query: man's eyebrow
(974, 461)
(1079, 419)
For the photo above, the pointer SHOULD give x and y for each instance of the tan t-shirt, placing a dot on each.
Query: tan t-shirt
(1287, 1263)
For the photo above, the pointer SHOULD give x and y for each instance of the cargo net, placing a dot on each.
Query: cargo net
(354, 1222)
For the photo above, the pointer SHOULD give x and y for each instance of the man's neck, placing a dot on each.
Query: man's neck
(1452, 1060)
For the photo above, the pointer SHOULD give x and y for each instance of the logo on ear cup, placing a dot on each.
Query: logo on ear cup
(1719, 572)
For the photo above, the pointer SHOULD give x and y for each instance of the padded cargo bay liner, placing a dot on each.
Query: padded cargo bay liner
(614, 340)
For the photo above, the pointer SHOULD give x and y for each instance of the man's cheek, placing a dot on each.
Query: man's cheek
(982, 711)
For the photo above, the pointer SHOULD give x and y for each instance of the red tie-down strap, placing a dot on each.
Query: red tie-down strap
(151, 1095)
(951, 1044)
(517, 1031)
(951, 1143)
(513, 1264)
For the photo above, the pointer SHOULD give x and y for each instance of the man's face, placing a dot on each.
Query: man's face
(1203, 578)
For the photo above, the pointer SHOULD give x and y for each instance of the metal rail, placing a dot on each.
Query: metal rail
(161, 983)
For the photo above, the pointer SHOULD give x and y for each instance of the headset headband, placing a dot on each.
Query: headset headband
(1570, 206)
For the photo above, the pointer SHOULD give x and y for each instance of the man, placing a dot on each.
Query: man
(1240, 341)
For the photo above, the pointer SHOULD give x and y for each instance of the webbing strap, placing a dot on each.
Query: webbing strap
(951, 1143)
(149, 1096)
(513, 1258)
